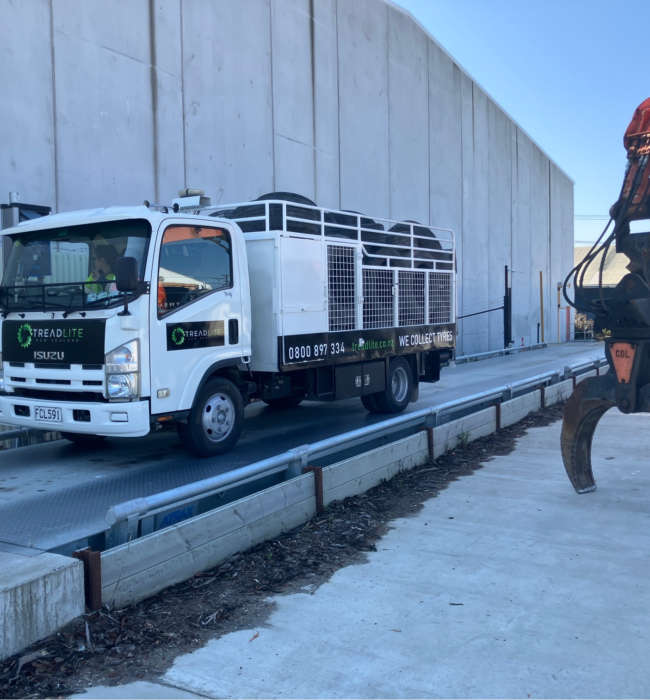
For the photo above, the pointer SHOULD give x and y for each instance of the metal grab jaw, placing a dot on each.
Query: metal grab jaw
(626, 386)
(584, 408)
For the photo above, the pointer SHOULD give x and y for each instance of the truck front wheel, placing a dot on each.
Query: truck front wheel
(399, 383)
(216, 420)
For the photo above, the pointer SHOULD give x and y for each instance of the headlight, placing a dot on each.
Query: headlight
(126, 358)
(122, 371)
(123, 386)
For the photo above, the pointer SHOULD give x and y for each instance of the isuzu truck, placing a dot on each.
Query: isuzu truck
(117, 320)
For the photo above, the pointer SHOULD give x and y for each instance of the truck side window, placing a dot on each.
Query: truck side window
(194, 261)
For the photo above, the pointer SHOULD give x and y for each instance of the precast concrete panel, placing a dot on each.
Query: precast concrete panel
(445, 138)
(228, 98)
(293, 97)
(445, 157)
(567, 243)
(556, 276)
(27, 140)
(166, 67)
(521, 242)
(294, 167)
(103, 24)
(105, 124)
(293, 113)
(499, 212)
(363, 106)
(539, 237)
(468, 298)
(326, 100)
(475, 329)
(408, 93)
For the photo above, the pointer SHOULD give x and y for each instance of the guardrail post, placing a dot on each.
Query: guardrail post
(318, 484)
(497, 406)
(542, 390)
(92, 562)
(429, 432)
(297, 465)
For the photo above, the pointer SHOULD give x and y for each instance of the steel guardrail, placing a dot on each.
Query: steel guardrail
(293, 460)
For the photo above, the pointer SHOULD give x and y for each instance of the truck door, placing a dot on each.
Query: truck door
(196, 310)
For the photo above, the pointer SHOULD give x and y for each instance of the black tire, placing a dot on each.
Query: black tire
(287, 197)
(286, 401)
(369, 402)
(83, 438)
(399, 384)
(218, 405)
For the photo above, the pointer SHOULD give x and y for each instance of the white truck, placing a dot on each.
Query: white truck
(117, 320)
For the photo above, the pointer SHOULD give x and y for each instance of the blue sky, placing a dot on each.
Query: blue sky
(570, 72)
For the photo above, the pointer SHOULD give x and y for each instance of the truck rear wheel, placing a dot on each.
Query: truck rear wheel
(399, 383)
(369, 402)
(216, 420)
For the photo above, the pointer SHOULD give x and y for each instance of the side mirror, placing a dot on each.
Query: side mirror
(126, 275)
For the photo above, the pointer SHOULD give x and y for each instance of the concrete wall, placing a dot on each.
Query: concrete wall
(349, 102)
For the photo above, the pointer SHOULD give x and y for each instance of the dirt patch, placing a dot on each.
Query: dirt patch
(110, 647)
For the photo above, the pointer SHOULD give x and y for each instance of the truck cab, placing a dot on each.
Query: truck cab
(74, 361)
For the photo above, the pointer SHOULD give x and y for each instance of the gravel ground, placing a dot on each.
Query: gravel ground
(110, 647)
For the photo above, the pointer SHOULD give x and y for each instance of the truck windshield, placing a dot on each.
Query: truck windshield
(70, 267)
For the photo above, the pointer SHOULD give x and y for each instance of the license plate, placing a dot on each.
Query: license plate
(48, 415)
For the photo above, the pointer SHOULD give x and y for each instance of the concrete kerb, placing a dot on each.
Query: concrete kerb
(38, 595)
(143, 567)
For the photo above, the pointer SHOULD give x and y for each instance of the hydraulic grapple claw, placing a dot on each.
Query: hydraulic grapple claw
(586, 406)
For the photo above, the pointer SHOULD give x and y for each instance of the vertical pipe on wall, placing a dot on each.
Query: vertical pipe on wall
(541, 299)
(153, 79)
(559, 287)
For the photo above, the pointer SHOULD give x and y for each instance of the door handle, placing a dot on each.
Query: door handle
(233, 331)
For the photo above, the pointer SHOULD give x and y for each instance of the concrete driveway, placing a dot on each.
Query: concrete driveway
(508, 584)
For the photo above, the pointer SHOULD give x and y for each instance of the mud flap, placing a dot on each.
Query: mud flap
(590, 400)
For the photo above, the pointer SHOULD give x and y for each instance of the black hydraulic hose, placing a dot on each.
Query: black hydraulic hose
(579, 271)
(586, 261)
(619, 221)
(581, 268)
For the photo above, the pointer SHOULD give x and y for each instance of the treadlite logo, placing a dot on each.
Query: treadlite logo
(178, 336)
(25, 335)
(200, 334)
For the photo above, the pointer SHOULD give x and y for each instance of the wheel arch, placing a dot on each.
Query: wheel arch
(222, 368)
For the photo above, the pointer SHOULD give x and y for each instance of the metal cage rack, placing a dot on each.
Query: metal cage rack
(407, 271)
(385, 243)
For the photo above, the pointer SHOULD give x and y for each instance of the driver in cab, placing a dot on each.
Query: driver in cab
(104, 262)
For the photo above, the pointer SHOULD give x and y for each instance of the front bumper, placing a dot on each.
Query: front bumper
(112, 419)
